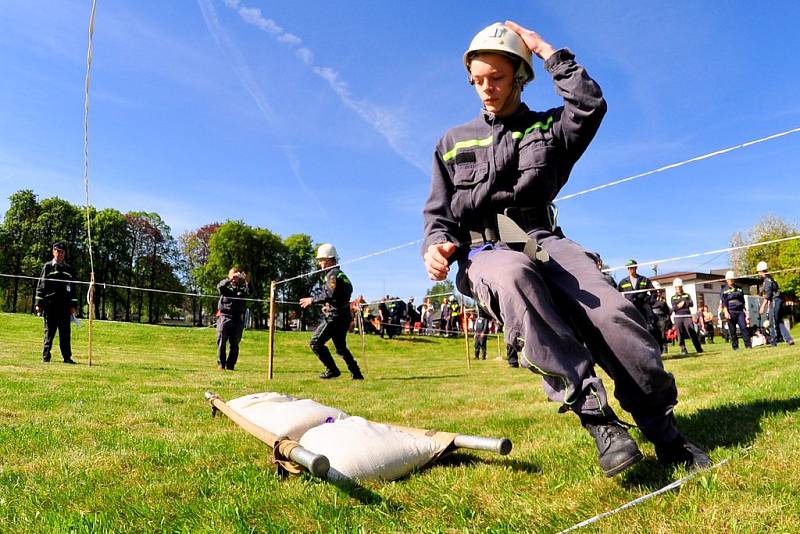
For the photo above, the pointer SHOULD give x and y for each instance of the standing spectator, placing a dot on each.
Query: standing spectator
(481, 334)
(385, 319)
(773, 300)
(413, 316)
(661, 313)
(335, 298)
(57, 303)
(682, 311)
(230, 324)
(444, 317)
(635, 288)
(454, 325)
(705, 322)
(733, 306)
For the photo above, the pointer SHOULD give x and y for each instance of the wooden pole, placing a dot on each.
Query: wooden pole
(90, 298)
(466, 332)
(271, 326)
(497, 332)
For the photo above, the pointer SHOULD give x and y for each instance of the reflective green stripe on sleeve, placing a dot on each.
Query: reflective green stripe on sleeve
(469, 143)
(538, 125)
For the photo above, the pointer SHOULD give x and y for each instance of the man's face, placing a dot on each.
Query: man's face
(58, 255)
(632, 271)
(729, 282)
(233, 274)
(493, 78)
(324, 263)
(679, 290)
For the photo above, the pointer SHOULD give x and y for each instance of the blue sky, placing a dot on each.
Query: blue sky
(321, 117)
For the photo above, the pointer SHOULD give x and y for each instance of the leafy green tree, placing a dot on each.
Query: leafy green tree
(19, 239)
(195, 248)
(300, 258)
(112, 258)
(438, 291)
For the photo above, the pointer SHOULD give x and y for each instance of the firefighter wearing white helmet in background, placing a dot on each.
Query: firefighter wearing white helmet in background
(732, 302)
(773, 301)
(490, 209)
(335, 299)
(682, 315)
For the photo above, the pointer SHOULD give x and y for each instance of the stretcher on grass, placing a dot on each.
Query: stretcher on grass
(326, 442)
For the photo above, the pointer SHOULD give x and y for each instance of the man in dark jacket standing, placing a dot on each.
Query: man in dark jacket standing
(773, 302)
(490, 209)
(732, 304)
(682, 304)
(335, 299)
(230, 325)
(57, 302)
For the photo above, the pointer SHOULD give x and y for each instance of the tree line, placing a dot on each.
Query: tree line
(137, 250)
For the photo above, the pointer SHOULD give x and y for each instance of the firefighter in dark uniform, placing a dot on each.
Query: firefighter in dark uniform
(490, 209)
(635, 288)
(661, 313)
(682, 313)
(57, 302)
(230, 324)
(335, 298)
(773, 301)
(731, 300)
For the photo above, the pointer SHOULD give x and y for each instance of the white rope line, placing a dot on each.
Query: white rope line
(697, 255)
(679, 164)
(86, 138)
(360, 258)
(712, 281)
(678, 483)
(119, 286)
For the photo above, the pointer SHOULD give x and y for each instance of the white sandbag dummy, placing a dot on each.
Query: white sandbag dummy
(362, 450)
(283, 415)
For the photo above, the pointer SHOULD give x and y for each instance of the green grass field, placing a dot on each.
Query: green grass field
(128, 445)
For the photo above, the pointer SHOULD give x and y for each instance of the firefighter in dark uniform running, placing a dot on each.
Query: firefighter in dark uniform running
(335, 298)
(773, 301)
(230, 325)
(731, 300)
(489, 208)
(682, 313)
(635, 287)
(56, 300)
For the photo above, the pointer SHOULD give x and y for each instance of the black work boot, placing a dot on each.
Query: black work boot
(681, 451)
(330, 373)
(616, 450)
(352, 366)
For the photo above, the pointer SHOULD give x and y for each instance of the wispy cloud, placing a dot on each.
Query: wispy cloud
(385, 122)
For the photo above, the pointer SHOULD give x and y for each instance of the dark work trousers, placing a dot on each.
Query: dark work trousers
(57, 320)
(480, 345)
(334, 328)
(738, 318)
(229, 330)
(685, 327)
(531, 299)
(776, 323)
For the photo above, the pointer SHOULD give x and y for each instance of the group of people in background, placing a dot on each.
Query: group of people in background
(674, 320)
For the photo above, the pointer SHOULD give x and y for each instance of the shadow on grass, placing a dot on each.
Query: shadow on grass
(358, 492)
(457, 459)
(728, 425)
(429, 377)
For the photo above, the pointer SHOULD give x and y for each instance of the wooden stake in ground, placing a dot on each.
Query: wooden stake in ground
(465, 323)
(497, 332)
(90, 299)
(271, 326)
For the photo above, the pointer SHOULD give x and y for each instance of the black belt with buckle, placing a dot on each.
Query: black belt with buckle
(512, 227)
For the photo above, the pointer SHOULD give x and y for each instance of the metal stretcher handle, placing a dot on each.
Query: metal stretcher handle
(499, 445)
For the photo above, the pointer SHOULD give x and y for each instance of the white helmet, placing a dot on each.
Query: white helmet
(730, 275)
(677, 283)
(500, 39)
(326, 250)
(657, 285)
(762, 266)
